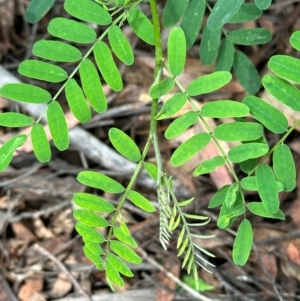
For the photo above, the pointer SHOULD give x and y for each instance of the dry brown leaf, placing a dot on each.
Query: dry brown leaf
(31, 285)
(22, 232)
(36, 297)
(293, 251)
(269, 262)
(61, 286)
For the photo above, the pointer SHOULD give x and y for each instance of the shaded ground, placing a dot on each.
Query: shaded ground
(40, 254)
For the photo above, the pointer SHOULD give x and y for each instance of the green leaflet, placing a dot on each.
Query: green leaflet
(92, 202)
(231, 195)
(127, 239)
(71, 30)
(209, 83)
(151, 169)
(250, 183)
(267, 188)
(284, 167)
(113, 274)
(37, 9)
(95, 248)
(189, 148)
(40, 143)
(56, 51)
(89, 233)
(161, 88)
(263, 4)
(246, 73)
(225, 56)
(209, 165)
(176, 50)
(88, 11)
(209, 45)
(238, 131)
(222, 12)
(192, 20)
(125, 252)
(286, 67)
(119, 265)
(124, 144)
(99, 181)
(141, 25)
(95, 258)
(90, 218)
(77, 102)
(284, 91)
(269, 116)
(242, 243)
(25, 93)
(92, 86)
(250, 36)
(107, 66)
(173, 11)
(120, 45)
(140, 201)
(295, 40)
(58, 126)
(248, 165)
(179, 125)
(172, 106)
(247, 151)
(224, 108)
(259, 209)
(12, 119)
(247, 12)
(124, 228)
(8, 148)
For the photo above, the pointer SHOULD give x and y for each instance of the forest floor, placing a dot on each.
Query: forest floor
(41, 255)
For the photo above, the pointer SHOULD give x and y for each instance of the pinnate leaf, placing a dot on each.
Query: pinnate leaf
(125, 252)
(40, 143)
(12, 119)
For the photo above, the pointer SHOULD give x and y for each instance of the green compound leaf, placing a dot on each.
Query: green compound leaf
(40, 143)
(224, 108)
(89, 233)
(269, 116)
(127, 239)
(192, 20)
(247, 151)
(286, 67)
(113, 274)
(92, 202)
(140, 201)
(12, 119)
(95, 248)
(189, 148)
(8, 148)
(120, 45)
(92, 86)
(284, 167)
(247, 12)
(263, 4)
(58, 126)
(37, 9)
(161, 88)
(231, 195)
(25, 93)
(56, 51)
(267, 188)
(209, 165)
(99, 181)
(125, 252)
(95, 258)
(209, 46)
(88, 11)
(284, 91)
(90, 218)
(295, 40)
(219, 197)
(222, 13)
(209, 83)
(77, 102)
(71, 30)
(176, 50)
(259, 209)
(173, 11)
(242, 243)
(246, 73)
(141, 25)
(124, 144)
(182, 123)
(42, 71)
(250, 36)
(225, 56)
(119, 265)
(107, 66)
(238, 131)
(172, 106)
